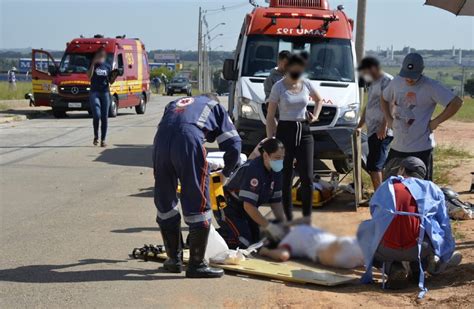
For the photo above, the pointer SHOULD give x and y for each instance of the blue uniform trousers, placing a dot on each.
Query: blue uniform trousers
(180, 155)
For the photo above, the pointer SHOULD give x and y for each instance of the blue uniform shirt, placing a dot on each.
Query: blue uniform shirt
(213, 123)
(100, 77)
(254, 184)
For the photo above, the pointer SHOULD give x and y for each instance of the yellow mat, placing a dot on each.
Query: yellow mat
(280, 271)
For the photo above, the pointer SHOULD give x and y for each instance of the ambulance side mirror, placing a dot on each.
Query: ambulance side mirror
(228, 70)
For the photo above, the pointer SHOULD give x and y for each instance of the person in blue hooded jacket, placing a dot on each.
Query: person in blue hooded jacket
(409, 224)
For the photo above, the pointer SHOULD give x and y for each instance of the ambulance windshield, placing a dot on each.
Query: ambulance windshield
(78, 62)
(329, 59)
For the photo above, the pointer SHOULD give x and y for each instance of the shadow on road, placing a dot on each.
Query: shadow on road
(127, 155)
(145, 192)
(55, 273)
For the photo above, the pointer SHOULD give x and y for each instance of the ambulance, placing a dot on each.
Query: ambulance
(326, 36)
(65, 86)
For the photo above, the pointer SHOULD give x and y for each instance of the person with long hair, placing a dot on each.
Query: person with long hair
(255, 183)
(101, 75)
(291, 96)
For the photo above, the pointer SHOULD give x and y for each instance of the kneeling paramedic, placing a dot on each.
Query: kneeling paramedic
(179, 154)
(255, 183)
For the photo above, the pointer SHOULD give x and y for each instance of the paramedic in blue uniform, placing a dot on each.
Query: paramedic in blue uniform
(179, 154)
(255, 183)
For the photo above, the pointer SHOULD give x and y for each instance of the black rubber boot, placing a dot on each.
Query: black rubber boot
(197, 267)
(173, 242)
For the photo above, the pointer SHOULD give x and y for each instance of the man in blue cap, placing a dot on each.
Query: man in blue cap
(408, 103)
(179, 154)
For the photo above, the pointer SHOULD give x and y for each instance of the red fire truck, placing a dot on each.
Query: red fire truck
(65, 86)
(297, 26)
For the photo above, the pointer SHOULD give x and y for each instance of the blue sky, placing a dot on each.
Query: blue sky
(165, 24)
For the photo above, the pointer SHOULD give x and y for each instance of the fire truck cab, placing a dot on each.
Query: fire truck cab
(326, 36)
(65, 86)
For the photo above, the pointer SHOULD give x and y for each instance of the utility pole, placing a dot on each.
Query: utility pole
(463, 76)
(200, 56)
(360, 30)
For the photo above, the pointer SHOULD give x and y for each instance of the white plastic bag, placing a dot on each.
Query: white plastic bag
(229, 257)
(215, 244)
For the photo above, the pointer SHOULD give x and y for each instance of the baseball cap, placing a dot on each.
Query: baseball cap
(414, 167)
(368, 62)
(412, 66)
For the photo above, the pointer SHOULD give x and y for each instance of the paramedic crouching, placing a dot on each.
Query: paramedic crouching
(409, 224)
(179, 154)
(255, 183)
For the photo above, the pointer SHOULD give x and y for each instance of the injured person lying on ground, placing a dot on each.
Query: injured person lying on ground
(308, 242)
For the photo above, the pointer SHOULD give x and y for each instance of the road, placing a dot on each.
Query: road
(71, 213)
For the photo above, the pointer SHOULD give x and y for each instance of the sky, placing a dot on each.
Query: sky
(165, 24)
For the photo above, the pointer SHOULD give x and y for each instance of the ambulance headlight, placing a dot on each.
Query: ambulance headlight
(247, 109)
(350, 115)
(54, 88)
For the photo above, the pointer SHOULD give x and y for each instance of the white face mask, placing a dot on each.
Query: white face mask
(367, 78)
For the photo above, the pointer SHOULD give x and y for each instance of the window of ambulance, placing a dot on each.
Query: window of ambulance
(329, 59)
(79, 62)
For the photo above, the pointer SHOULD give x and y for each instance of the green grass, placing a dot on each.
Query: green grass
(21, 89)
(465, 114)
(447, 158)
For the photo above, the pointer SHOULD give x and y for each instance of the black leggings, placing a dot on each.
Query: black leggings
(299, 144)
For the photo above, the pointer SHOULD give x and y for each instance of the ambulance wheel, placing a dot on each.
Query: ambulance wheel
(59, 113)
(190, 93)
(170, 93)
(113, 112)
(342, 166)
(141, 108)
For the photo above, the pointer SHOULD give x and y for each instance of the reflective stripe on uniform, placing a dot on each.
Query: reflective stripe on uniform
(205, 113)
(169, 214)
(198, 218)
(248, 194)
(225, 136)
(244, 241)
(276, 194)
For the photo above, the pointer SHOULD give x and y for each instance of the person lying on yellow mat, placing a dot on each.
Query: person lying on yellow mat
(256, 182)
(317, 245)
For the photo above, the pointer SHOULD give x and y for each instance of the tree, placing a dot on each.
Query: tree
(469, 86)
(162, 70)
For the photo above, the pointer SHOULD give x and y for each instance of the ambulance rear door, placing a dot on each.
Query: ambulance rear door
(43, 68)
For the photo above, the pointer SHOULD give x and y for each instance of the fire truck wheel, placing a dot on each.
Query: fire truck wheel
(113, 107)
(59, 113)
(141, 108)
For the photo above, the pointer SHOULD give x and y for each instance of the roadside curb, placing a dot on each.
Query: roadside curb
(19, 115)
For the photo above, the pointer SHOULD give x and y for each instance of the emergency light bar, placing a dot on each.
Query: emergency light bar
(287, 15)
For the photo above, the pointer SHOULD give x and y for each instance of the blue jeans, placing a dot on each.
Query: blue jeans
(100, 105)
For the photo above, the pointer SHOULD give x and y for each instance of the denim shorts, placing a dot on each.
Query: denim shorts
(378, 152)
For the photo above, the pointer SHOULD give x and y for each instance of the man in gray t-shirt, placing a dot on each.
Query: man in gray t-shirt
(277, 73)
(414, 98)
(379, 136)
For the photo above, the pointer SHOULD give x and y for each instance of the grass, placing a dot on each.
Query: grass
(447, 158)
(465, 114)
(21, 89)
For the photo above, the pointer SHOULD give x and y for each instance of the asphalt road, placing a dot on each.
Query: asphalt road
(71, 213)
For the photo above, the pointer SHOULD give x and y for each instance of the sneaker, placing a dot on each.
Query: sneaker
(103, 144)
(96, 141)
(436, 267)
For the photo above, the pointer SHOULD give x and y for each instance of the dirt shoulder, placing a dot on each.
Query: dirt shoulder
(453, 289)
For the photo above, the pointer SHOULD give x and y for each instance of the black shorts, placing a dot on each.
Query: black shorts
(426, 156)
(378, 152)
